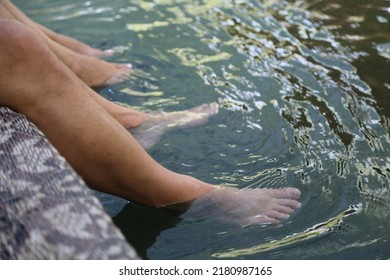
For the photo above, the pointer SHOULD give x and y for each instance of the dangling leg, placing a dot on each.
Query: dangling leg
(66, 41)
(99, 148)
(91, 70)
(127, 117)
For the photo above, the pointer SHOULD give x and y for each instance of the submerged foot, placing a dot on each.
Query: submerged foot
(151, 131)
(98, 73)
(96, 52)
(248, 206)
(121, 73)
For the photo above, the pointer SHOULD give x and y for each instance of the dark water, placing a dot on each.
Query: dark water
(304, 88)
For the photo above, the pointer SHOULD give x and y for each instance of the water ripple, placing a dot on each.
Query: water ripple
(303, 89)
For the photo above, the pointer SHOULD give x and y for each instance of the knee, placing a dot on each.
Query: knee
(17, 42)
(21, 52)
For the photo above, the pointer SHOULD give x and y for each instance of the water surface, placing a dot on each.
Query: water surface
(304, 94)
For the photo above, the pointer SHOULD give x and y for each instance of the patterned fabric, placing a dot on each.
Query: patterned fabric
(46, 210)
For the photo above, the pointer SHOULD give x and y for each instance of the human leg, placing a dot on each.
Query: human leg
(93, 71)
(46, 209)
(105, 154)
(97, 146)
(64, 40)
(128, 117)
(153, 125)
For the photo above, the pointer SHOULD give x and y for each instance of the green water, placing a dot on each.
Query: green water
(304, 92)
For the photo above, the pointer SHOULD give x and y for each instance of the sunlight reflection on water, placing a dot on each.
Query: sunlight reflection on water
(303, 90)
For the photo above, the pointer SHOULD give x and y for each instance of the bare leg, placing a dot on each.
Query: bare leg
(74, 44)
(66, 41)
(126, 116)
(97, 146)
(157, 124)
(91, 70)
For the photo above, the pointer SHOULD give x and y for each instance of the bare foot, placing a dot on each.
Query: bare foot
(88, 50)
(98, 73)
(122, 72)
(247, 206)
(151, 130)
(68, 42)
(71, 43)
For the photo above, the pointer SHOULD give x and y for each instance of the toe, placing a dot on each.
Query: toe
(288, 193)
(259, 220)
(277, 215)
(284, 209)
(122, 73)
(292, 204)
(106, 53)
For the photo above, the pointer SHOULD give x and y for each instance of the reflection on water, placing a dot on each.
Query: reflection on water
(304, 91)
(312, 232)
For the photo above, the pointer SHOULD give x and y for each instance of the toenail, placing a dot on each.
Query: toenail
(293, 192)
